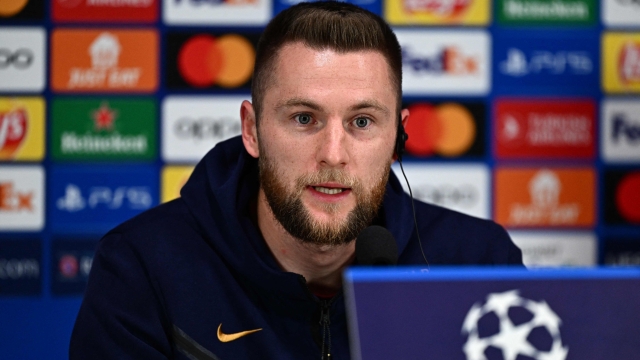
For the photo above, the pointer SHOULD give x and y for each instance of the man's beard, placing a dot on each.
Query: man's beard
(290, 212)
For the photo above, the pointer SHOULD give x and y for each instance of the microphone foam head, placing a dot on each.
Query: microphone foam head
(376, 246)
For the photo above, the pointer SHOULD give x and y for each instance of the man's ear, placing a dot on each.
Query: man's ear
(404, 115)
(249, 129)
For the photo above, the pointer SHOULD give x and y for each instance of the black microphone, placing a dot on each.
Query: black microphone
(376, 246)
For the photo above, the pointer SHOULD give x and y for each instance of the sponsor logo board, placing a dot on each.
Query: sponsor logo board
(621, 12)
(21, 198)
(92, 198)
(446, 129)
(535, 59)
(22, 130)
(104, 60)
(375, 6)
(556, 248)
(22, 59)
(463, 187)
(441, 62)
(202, 61)
(620, 131)
(545, 197)
(103, 129)
(622, 197)
(20, 267)
(144, 11)
(621, 62)
(546, 12)
(191, 126)
(528, 128)
(622, 251)
(216, 12)
(173, 179)
(22, 9)
(437, 12)
(71, 261)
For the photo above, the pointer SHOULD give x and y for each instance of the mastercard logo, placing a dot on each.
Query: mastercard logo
(11, 7)
(227, 61)
(628, 197)
(447, 129)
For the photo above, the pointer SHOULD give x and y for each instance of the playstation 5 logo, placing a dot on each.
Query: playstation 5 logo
(136, 198)
(561, 62)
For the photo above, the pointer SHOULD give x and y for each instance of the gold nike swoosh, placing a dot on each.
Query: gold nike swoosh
(230, 337)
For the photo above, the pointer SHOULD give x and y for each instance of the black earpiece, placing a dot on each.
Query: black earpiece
(401, 138)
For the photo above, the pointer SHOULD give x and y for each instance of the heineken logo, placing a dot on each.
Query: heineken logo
(107, 129)
(571, 11)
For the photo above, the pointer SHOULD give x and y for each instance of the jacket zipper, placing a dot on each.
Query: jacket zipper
(325, 322)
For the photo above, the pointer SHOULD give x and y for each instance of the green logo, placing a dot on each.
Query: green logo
(103, 129)
(547, 12)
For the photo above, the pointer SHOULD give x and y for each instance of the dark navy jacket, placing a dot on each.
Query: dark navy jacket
(163, 282)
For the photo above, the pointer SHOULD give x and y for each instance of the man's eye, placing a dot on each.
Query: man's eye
(303, 119)
(361, 122)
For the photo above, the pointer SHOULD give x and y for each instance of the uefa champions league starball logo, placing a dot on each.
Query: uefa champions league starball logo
(513, 336)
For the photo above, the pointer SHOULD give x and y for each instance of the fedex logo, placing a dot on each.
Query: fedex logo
(445, 62)
(620, 130)
(94, 198)
(449, 60)
(517, 64)
(21, 198)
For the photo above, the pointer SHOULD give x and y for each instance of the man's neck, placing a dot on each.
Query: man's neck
(321, 266)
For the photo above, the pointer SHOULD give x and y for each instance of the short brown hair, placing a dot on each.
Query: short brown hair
(338, 26)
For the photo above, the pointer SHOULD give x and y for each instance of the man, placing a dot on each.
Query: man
(247, 263)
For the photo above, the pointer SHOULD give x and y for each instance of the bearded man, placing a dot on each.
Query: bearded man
(247, 263)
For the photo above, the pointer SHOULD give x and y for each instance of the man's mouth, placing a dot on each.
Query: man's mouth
(328, 191)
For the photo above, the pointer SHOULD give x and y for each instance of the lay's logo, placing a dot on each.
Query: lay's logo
(621, 62)
(425, 12)
(545, 197)
(21, 129)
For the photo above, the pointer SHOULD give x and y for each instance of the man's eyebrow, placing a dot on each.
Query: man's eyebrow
(299, 102)
(370, 104)
(365, 104)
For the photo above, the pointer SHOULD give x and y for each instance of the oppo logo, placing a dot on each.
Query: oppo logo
(20, 59)
(448, 195)
(207, 128)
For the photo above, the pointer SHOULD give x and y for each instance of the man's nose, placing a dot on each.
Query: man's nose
(332, 150)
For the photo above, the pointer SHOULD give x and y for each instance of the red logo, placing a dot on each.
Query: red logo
(104, 117)
(440, 8)
(144, 11)
(538, 128)
(628, 197)
(227, 61)
(13, 130)
(68, 266)
(629, 63)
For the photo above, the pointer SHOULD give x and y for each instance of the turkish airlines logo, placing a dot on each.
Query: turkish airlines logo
(555, 63)
(621, 130)
(445, 62)
(13, 129)
(131, 197)
(538, 128)
(93, 60)
(21, 198)
(448, 129)
(442, 8)
(545, 197)
(629, 63)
